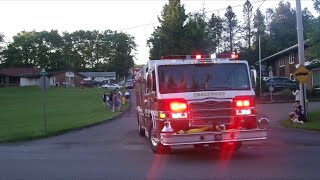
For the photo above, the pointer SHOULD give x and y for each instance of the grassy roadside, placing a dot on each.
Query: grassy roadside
(21, 111)
(313, 122)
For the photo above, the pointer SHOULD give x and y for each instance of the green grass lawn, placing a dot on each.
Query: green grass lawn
(21, 111)
(313, 122)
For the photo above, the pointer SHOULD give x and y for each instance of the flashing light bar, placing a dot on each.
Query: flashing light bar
(174, 57)
(228, 56)
(200, 57)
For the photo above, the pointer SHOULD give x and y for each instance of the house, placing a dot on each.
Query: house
(285, 62)
(99, 76)
(31, 76)
(65, 78)
(19, 76)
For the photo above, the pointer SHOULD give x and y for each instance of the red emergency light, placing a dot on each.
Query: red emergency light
(228, 56)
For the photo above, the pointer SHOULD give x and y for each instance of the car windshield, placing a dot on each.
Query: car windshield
(203, 77)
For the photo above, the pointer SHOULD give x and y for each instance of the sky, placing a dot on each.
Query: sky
(135, 17)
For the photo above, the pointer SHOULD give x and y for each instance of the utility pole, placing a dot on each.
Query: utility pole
(260, 65)
(301, 52)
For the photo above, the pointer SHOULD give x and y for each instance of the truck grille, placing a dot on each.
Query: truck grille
(210, 112)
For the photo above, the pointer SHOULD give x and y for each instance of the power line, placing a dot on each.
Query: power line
(138, 26)
(263, 1)
(234, 6)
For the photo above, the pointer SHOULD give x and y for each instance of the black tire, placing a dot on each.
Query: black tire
(155, 145)
(141, 131)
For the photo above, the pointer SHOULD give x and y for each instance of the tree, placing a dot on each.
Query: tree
(316, 5)
(48, 49)
(80, 51)
(268, 19)
(121, 59)
(259, 25)
(1, 53)
(247, 13)
(215, 29)
(1, 38)
(283, 32)
(259, 30)
(21, 52)
(230, 25)
(196, 28)
(308, 21)
(170, 35)
(155, 44)
(314, 39)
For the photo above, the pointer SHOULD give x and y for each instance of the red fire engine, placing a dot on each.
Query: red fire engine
(197, 101)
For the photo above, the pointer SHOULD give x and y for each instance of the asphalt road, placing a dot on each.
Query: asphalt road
(114, 150)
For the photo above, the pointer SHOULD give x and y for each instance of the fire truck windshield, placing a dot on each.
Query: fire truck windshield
(203, 77)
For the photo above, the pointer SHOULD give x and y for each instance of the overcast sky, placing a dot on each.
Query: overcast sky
(135, 17)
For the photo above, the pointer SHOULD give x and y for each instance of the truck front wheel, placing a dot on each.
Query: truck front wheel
(155, 143)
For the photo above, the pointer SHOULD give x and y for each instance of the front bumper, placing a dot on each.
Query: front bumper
(207, 137)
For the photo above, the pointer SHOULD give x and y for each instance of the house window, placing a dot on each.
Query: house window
(316, 77)
(291, 58)
(281, 62)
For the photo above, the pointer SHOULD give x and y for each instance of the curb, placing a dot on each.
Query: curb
(275, 102)
(297, 129)
(68, 130)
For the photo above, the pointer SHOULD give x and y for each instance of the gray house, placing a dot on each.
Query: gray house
(99, 76)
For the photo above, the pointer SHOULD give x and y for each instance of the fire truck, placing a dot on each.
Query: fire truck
(197, 101)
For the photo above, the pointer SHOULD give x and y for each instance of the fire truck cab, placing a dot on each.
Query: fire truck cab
(197, 101)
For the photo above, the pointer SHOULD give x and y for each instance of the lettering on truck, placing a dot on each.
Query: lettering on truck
(209, 94)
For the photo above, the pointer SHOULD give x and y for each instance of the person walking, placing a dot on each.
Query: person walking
(111, 101)
(104, 99)
(119, 101)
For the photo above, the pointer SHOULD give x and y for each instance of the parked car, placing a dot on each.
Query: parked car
(129, 85)
(279, 83)
(111, 86)
(265, 78)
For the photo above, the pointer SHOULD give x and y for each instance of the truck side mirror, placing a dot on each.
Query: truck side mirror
(253, 77)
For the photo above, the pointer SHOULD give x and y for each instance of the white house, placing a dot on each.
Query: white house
(99, 76)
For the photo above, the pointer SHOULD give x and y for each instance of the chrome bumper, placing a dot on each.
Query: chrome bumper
(213, 137)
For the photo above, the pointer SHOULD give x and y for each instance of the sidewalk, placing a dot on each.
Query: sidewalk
(278, 98)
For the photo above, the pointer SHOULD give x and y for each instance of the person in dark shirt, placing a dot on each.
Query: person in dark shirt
(111, 101)
(105, 99)
(299, 116)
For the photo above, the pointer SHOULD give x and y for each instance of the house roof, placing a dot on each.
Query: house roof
(285, 51)
(98, 74)
(59, 72)
(21, 72)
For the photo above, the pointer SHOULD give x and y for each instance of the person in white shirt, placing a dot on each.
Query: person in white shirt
(296, 94)
(127, 94)
(120, 93)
